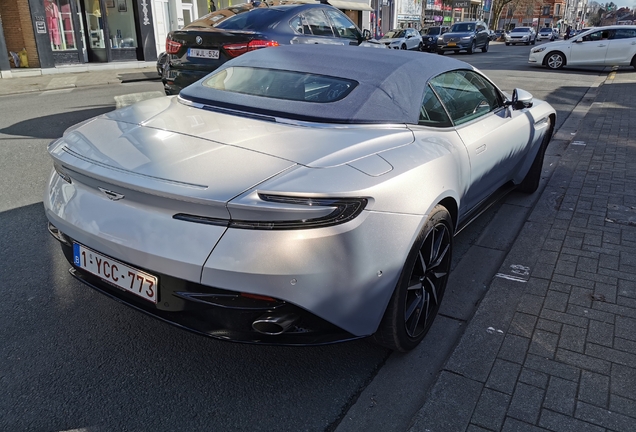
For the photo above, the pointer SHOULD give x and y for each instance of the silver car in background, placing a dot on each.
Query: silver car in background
(298, 195)
(404, 39)
(524, 35)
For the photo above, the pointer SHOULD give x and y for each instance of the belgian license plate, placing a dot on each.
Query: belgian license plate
(203, 53)
(116, 273)
(452, 44)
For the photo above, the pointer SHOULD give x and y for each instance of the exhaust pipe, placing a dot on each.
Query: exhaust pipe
(274, 324)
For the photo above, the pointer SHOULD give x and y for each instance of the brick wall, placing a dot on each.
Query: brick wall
(18, 29)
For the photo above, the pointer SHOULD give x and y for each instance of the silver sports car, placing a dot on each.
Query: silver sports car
(297, 195)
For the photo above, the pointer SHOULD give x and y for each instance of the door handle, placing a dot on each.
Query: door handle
(602, 45)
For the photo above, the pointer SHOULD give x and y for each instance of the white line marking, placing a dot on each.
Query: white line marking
(509, 277)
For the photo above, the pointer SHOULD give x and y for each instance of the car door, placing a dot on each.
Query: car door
(496, 137)
(414, 40)
(482, 35)
(588, 50)
(621, 46)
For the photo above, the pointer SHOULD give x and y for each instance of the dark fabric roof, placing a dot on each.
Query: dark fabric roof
(390, 90)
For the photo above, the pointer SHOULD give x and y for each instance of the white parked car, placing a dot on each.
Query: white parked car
(406, 39)
(525, 35)
(600, 46)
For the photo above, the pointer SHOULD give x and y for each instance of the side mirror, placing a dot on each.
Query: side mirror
(520, 99)
(366, 34)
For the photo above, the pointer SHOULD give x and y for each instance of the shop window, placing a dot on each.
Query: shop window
(59, 22)
(121, 24)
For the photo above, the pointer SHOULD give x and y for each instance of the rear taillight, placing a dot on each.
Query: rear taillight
(235, 50)
(172, 47)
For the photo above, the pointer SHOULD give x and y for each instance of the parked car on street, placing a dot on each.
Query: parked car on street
(547, 33)
(600, 46)
(430, 36)
(468, 36)
(206, 44)
(524, 35)
(499, 33)
(404, 39)
(299, 195)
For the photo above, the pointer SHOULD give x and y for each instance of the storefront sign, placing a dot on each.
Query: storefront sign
(405, 17)
(461, 4)
(40, 26)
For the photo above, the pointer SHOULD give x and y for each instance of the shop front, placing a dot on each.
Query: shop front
(94, 31)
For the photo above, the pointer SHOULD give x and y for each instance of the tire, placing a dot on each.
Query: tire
(420, 48)
(440, 52)
(633, 63)
(472, 48)
(534, 41)
(485, 47)
(527, 43)
(531, 181)
(507, 43)
(420, 288)
(555, 60)
(403, 47)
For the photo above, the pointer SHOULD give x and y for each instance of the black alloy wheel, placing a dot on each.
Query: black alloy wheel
(485, 47)
(420, 289)
(472, 48)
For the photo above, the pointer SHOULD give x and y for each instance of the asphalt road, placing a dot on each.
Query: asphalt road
(71, 358)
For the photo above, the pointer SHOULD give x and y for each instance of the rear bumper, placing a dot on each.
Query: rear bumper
(174, 80)
(217, 313)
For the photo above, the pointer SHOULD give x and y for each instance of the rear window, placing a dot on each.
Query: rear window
(254, 19)
(280, 84)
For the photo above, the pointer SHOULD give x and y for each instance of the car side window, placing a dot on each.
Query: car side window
(343, 26)
(596, 36)
(299, 25)
(466, 95)
(432, 113)
(318, 22)
(624, 34)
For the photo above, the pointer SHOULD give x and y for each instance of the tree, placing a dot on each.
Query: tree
(496, 9)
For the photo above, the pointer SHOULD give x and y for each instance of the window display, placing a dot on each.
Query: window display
(121, 25)
(59, 22)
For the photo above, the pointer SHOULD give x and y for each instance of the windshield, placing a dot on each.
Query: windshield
(254, 19)
(279, 84)
(463, 27)
(433, 31)
(520, 30)
(393, 34)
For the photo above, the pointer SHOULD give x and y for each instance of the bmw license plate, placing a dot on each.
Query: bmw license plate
(203, 53)
(116, 273)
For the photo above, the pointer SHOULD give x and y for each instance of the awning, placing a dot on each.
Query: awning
(350, 5)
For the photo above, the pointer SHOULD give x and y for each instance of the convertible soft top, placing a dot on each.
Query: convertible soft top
(391, 83)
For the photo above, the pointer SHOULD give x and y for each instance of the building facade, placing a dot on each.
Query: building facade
(66, 32)
(537, 14)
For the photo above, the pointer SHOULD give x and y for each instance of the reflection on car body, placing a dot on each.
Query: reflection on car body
(295, 196)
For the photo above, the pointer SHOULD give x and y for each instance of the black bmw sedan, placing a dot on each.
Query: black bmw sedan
(207, 43)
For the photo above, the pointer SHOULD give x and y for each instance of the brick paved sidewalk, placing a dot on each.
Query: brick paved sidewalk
(553, 344)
